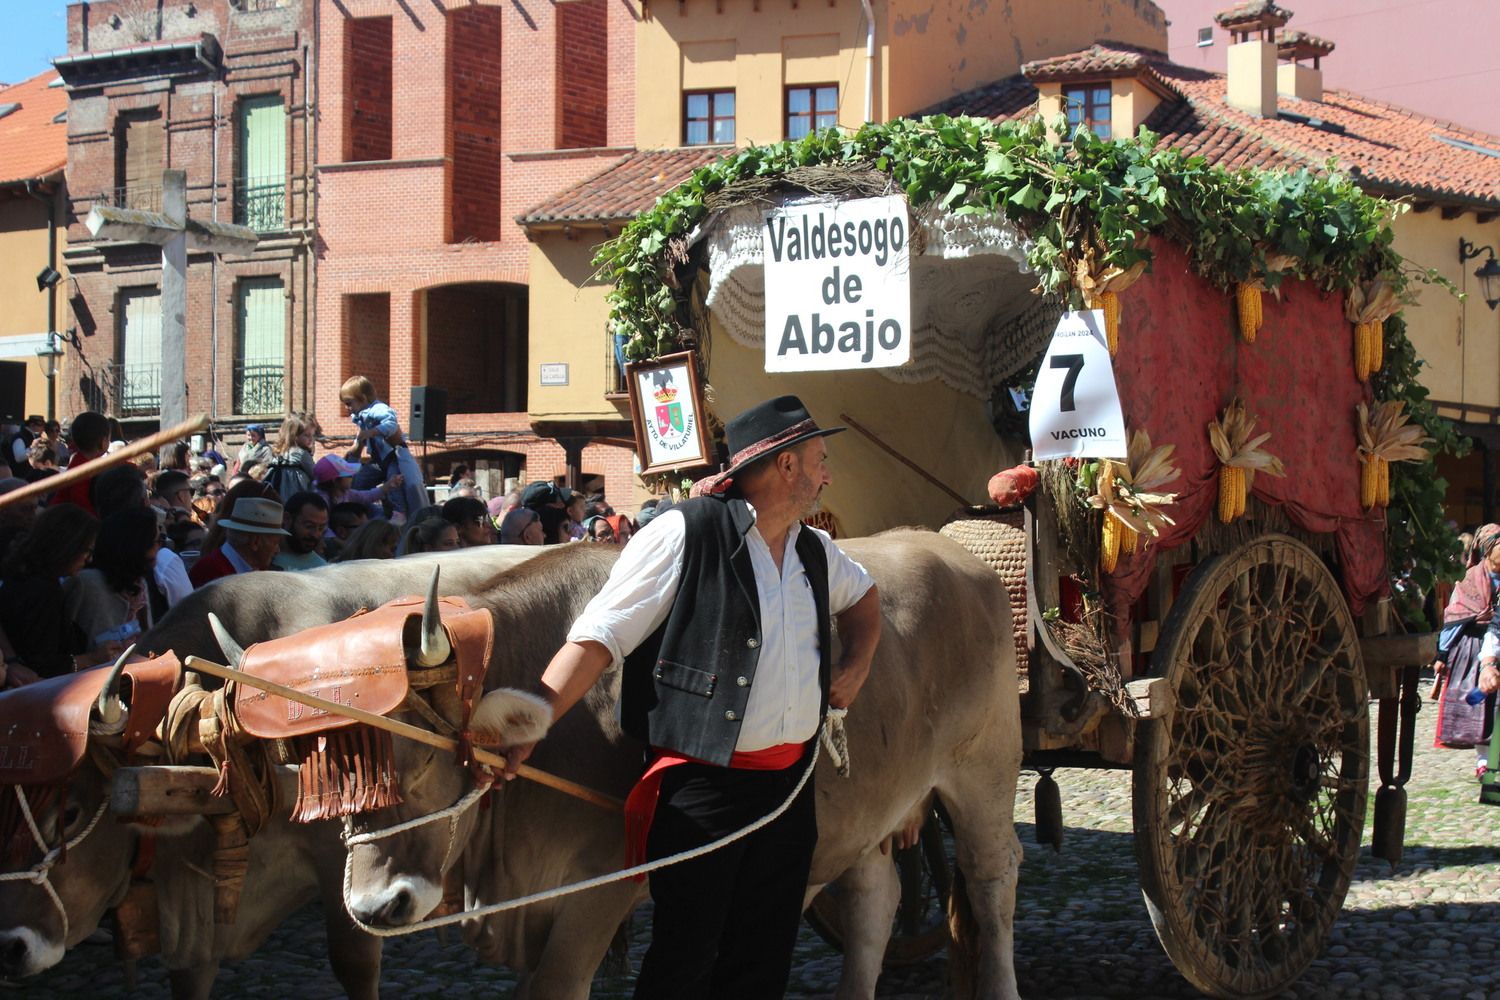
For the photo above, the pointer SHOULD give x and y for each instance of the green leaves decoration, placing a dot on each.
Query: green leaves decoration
(1081, 199)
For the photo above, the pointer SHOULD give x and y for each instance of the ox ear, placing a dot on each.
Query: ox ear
(507, 717)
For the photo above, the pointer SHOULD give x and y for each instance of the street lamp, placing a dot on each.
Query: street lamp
(1488, 272)
(49, 353)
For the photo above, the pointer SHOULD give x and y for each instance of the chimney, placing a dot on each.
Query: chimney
(1252, 27)
(1294, 78)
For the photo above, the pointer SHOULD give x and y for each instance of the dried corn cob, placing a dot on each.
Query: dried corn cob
(1109, 547)
(1369, 481)
(1383, 490)
(1128, 539)
(1231, 493)
(1377, 344)
(1109, 303)
(1361, 351)
(1241, 491)
(1247, 297)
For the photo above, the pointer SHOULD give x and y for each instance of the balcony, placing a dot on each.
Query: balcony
(260, 203)
(134, 390)
(145, 197)
(260, 387)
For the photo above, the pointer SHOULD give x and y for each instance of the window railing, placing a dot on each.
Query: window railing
(260, 386)
(135, 390)
(260, 203)
(146, 197)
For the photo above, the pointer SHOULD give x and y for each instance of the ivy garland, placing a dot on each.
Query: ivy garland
(1085, 204)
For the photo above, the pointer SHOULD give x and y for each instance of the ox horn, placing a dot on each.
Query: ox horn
(233, 651)
(109, 706)
(435, 648)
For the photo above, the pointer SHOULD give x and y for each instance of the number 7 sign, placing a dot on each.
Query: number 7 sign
(1075, 408)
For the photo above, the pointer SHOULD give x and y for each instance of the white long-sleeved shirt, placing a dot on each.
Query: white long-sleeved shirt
(784, 697)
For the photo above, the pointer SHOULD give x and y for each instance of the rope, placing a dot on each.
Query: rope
(453, 812)
(37, 873)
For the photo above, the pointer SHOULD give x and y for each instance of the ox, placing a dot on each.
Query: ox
(290, 864)
(939, 715)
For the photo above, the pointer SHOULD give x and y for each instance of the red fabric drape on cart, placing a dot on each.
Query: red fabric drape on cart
(1181, 360)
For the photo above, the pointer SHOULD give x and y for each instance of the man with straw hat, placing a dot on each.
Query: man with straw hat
(720, 611)
(252, 538)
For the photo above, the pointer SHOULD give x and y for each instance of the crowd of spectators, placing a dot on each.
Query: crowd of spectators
(87, 567)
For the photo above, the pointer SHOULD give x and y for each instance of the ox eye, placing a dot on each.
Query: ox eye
(71, 815)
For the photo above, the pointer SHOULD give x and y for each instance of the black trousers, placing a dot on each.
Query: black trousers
(725, 924)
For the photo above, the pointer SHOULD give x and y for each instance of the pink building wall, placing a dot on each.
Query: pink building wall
(1440, 57)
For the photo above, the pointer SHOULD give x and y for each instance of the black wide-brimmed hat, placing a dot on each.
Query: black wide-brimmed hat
(760, 431)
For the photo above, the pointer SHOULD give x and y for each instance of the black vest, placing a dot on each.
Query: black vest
(686, 687)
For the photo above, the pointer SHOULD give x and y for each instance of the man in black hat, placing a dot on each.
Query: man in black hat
(720, 611)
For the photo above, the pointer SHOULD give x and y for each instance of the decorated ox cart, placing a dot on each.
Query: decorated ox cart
(1207, 600)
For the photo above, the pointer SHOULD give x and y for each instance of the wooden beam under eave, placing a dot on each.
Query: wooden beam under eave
(1421, 206)
(1452, 211)
(1484, 218)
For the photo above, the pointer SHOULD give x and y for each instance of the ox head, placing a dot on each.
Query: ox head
(398, 879)
(89, 876)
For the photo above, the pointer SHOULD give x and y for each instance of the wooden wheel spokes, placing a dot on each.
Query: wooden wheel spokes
(1249, 799)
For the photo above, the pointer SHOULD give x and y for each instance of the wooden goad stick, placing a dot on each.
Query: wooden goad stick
(95, 466)
(400, 728)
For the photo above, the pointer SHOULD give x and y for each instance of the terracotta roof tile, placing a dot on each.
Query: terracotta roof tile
(32, 145)
(625, 189)
(1391, 150)
(1101, 61)
(1253, 14)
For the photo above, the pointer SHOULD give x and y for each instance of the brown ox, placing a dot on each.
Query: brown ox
(290, 864)
(939, 715)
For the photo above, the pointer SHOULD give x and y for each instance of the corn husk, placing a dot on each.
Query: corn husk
(1373, 301)
(1132, 490)
(1236, 444)
(1093, 280)
(1388, 434)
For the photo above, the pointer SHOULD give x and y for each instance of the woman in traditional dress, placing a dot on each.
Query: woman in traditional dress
(1462, 725)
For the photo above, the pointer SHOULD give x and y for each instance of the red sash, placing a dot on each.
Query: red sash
(640, 805)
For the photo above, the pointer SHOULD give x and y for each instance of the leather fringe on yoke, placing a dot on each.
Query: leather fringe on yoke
(345, 771)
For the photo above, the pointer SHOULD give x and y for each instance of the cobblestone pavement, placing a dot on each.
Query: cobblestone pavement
(1425, 931)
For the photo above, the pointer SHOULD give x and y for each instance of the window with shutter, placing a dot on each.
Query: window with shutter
(260, 173)
(260, 346)
(139, 371)
(139, 160)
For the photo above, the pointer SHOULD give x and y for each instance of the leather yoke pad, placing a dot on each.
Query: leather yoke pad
(152, 684)
(44, 727)
(360, 662)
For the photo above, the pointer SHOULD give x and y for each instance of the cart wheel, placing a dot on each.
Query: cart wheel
(920, 929)
(1249, 799)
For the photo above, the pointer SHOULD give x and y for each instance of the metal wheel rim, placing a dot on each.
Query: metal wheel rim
(1249, 801)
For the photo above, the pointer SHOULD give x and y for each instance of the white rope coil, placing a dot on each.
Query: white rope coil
(452, 813)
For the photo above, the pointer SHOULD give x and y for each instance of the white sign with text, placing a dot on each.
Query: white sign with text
(1075, 407)
(838, 285)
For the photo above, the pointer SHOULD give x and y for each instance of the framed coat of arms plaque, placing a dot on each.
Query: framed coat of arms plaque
(666, 407)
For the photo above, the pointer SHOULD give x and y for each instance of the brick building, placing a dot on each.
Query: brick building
(220, 90)
(439, 124)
